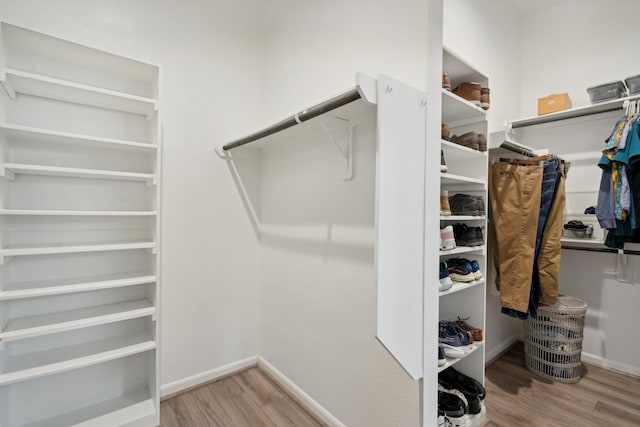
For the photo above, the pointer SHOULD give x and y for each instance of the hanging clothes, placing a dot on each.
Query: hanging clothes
(527, 204)
(618, 199)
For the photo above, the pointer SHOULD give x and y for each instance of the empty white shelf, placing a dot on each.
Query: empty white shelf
(49, 362)
(449, 178)
(48, 250)
(461, 286)
(58, 287)
(22, 82)
(132, 409)
(16, 133)
(26, 169)
(34, 326)
(452, 361)
(457, 111)
(45, 212)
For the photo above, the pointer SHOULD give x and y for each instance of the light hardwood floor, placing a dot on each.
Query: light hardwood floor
(517, 397)
(247, 399)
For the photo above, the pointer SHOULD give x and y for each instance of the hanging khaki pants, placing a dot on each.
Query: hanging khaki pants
(514, 192)
(550, 251)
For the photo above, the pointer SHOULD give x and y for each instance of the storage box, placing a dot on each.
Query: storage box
(553, 103)
(633, 83)
(607, 91)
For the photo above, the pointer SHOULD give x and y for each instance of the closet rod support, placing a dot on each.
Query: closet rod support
(308, 114)
(341, 139)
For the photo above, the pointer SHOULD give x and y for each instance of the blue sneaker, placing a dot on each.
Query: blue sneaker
(451, 334)
(472, 265)
(445, 280)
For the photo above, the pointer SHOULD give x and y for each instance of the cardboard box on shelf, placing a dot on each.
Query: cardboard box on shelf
(553, 103)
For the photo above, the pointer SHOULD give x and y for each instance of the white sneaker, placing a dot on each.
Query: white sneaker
(447, 240)
(456, 352)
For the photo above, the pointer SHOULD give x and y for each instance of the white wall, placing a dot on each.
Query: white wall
(314, 48)
(211, 59)
(577, 50)
(570, 47)
(486, 34)
(318, 305)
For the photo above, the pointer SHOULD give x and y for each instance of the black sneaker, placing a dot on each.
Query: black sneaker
(450, 378)
(467, 236)
(465, 204)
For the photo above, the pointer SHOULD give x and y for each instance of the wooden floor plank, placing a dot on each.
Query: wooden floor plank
(284, 413)
(168, 417)
(245, 412)
(261, 389)
(211, 407)
(518, 397)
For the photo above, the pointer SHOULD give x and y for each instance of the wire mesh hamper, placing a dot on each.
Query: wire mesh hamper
(553, 340)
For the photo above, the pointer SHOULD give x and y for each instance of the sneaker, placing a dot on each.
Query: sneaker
(448, 240)
(475, 267)
(446, 81)
(450, 333)
(453, 405)
(475, 332)
(484, 97)
(467, 236)
(465, 204)
(469, 140)
(482, 142)
(445, 209)
(445, 131)
(472, 266)
(469, 91)
(445, 280)
(442, 359)
(452, 378)
(443, 164)
(456, 352)
(458, 272)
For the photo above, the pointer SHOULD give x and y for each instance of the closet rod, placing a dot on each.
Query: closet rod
(296, 119)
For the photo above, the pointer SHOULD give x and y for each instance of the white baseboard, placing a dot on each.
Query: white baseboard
(492, 353)
(601, 361)
(297, 392)
(207, 376)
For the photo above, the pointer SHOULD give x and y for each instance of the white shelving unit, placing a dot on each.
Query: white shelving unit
(467, 174)
(79, 221)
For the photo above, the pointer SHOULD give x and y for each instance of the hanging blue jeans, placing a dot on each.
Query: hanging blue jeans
(550, 179)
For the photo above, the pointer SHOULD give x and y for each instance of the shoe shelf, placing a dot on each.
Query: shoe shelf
(457, 111)
(80, 141)
(50, 250)
(11, 169)
(453, 360)
(463, 250)
(25, 83)
(459, 70)
(26, 134)
(42, 363)
(60, 287)
(45, 212)
(45, 324)
(132, 409)
(456, 151)
(452, 179)
(461, 286)
(455, 218)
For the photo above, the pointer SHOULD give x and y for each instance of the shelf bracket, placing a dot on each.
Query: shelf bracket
(341, 138)
(6, 173)
(6, 84)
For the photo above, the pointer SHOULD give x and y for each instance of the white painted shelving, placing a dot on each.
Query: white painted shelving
(79, 234)
(467, 174)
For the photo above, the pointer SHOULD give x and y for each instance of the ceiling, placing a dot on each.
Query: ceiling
(530, 7)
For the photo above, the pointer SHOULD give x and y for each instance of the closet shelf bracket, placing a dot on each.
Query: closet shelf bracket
(6, 85)
(338, 131)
